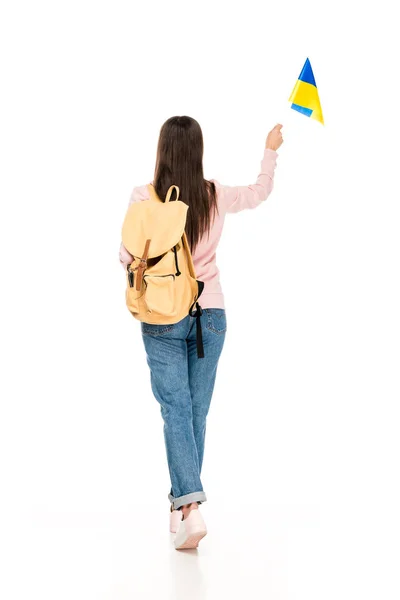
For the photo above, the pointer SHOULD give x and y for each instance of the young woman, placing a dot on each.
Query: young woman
(181, 382)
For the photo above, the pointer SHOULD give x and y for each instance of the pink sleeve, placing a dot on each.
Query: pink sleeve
(138, 194)
(236, 198)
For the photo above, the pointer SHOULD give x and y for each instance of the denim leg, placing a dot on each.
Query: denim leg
(167, 357)
(202, 372)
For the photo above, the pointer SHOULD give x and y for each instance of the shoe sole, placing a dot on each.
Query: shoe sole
(192, 541)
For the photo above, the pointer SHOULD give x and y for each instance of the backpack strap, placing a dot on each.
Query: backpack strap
(153, 193)
(199, 310)
(168, 196)
(189, 255)
(142, 266)
(197, 314)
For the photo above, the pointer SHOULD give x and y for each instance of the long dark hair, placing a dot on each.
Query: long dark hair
(180, 162)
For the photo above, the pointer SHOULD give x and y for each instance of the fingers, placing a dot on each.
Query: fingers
(274, 138)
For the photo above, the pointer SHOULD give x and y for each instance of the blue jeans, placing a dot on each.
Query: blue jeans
(183, 385)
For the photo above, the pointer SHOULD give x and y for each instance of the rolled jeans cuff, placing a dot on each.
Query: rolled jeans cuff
(186, 499)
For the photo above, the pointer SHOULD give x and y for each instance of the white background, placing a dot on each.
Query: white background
(301, 465)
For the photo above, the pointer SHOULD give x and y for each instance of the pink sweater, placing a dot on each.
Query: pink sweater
(230, 199)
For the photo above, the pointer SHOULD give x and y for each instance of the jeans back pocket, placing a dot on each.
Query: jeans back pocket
(155, 329)
(216, 319)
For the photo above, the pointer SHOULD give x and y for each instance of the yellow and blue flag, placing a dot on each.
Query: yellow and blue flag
(305, 97)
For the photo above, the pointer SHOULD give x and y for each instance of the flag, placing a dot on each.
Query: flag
(304, 96)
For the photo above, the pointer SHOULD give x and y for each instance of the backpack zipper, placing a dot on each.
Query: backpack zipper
(167, 275)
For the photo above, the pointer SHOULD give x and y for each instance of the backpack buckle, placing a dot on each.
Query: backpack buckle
(142, 266)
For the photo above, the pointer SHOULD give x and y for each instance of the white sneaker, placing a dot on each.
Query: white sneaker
(190, 531)
(175, 517)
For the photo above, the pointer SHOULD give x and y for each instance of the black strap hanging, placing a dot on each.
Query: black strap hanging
(199, 333)
(197, 314)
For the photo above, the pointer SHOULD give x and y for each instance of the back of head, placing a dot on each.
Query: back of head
(180, 162)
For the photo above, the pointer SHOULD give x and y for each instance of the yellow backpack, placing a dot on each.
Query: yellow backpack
(161, 284)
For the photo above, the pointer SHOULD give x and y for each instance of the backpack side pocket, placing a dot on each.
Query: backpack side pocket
(160, 294)
(132, 295)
